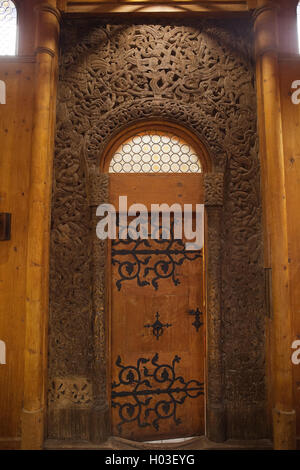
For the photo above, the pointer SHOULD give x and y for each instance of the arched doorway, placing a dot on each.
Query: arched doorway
(220, 115)
(156, 286)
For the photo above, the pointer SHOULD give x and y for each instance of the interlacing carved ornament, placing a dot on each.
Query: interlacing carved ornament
(202, 77)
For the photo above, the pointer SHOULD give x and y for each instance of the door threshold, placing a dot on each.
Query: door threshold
(177, 440)
(194, 443)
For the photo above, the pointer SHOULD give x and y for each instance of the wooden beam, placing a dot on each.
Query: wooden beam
(182, 7)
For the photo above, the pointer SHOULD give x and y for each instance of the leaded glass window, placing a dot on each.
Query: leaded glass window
(8, 27)
(155, 152)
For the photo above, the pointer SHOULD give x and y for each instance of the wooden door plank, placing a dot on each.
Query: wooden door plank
(156, 188)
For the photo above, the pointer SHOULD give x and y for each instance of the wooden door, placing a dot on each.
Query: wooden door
(157, 321)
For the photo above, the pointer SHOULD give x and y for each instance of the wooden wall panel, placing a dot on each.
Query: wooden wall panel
(15, 154)
(290, 71)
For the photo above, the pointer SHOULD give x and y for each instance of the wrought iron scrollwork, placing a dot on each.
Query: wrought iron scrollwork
(139, 385)
(150, 261)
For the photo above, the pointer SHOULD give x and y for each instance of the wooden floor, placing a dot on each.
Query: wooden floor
(196, 443)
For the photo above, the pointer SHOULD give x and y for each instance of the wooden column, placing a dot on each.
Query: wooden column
(100, 412)
(275, 209)
(38, 226)
(215, 407)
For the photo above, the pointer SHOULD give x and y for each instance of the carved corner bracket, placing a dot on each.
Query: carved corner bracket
(213, 189)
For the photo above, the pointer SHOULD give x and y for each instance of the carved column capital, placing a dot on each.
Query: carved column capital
(265, 28)
(48, 28)
(213, 189)
(47, 7)
(268, 7)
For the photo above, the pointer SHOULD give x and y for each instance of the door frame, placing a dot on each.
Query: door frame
(213, 186)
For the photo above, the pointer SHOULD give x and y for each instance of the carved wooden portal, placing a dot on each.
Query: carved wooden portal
(200, 76)
(213, 199)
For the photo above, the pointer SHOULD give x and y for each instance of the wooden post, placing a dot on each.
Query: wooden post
(215, 405)
(100, 412)
(275, 209)
(38, 226)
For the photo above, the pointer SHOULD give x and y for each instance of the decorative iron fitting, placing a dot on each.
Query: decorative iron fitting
(149, 263)
(197, 322)
(158, 327)
(148, 392)
(46, 7)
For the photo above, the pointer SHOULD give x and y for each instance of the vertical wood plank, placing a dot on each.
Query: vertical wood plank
(290, 71)
(15, 151)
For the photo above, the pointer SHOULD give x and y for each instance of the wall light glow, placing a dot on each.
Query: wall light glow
(8, 27)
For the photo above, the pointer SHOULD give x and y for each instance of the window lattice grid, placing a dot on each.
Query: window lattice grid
(155, 152)
(8, 27)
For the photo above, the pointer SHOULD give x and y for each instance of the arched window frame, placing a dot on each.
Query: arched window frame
(15, 3)
(161, 126)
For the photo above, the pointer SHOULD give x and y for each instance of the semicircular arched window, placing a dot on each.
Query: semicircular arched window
(155, 152)
(8, 27)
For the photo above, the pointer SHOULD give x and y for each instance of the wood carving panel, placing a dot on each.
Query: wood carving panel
(214, 189)
(201, 76)
(70, 270)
